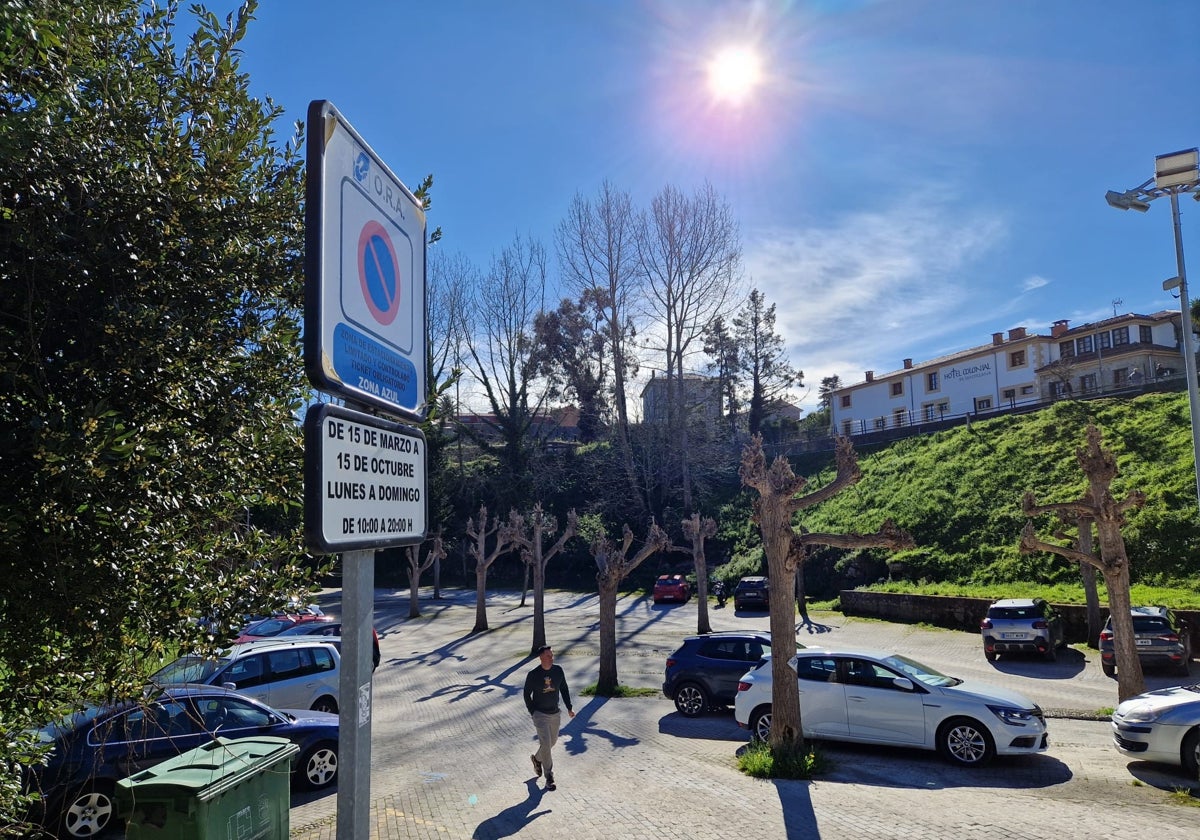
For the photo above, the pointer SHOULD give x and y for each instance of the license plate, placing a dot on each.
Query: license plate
(1012, 635)
(1146, 642)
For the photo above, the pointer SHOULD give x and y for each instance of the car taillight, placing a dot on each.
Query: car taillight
(1040, 624)
(670, 663)
(1106, 636)
(744, 686)
(1172, 638)
(986, 624)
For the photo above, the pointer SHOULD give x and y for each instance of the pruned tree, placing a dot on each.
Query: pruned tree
(540, 526)
(785, 549)
(597, 257)
(479, 531)
(613, 565)
(696, 531)
(1098, 505)
(417, 565)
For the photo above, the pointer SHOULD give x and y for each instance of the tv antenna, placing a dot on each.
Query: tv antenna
(1116, 302)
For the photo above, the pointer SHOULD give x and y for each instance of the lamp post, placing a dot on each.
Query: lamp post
(1174, 173)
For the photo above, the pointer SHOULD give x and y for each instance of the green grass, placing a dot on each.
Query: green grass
(759, 761)
(1183, 796)
(1181, 597)
(624, 691)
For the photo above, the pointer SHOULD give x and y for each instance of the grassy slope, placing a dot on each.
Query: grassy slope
(958, 492)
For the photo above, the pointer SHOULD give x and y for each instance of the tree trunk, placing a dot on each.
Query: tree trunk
(801, 602)
(785, 697)
(606, 685)
(1130, 679)
(414, 583)
(1087, 573)
(539, 601)
(481, 621)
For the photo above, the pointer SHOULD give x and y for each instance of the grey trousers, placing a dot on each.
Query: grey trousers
(547, 732)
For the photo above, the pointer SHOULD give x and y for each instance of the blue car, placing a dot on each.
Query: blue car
(90, 750)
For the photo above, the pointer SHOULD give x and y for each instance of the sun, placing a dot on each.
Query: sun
(734, 73)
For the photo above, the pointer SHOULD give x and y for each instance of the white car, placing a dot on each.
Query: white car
(1162, 726)
(875, 697)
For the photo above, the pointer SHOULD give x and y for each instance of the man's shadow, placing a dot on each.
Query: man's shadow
(512, 819)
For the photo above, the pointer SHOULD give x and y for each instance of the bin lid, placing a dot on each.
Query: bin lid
(209, 770)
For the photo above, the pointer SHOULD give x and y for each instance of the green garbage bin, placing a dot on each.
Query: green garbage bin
(225, 790)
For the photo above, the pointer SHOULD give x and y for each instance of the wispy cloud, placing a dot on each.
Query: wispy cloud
(1032, 282)
(873, 287)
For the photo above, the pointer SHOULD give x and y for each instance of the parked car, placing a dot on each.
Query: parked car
(287, 673)
(879, 697)
(705, 670)
(752, 592)
(1162, 639)
(92, 749)
(671, 588)
(267, 627)
(329, 629)
(1022, 625)
(1162, 726)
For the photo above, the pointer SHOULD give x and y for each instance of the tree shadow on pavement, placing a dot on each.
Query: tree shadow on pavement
(484, 683)
(514, 818)
(576, 731)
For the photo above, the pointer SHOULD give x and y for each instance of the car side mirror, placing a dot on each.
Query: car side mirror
(230, 685)
(902, 683)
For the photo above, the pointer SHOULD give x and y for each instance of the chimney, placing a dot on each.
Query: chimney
(870, 376)
(998, 338)
(908, 364)
(1058, 328)
(1015, 333)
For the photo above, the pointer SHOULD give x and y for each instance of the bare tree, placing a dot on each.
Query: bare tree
(598, 258)
(1098, 505)
(502, 355)
(479, 533)
(541, 525)
(416, 565)
(696, 531)
(786, 549)
(689, 250)
(613, 565)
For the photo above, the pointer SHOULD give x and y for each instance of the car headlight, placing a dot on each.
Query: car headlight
(1011, 716)
(1141, 713)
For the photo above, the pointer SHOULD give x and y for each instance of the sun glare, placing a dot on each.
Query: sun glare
(733, 74)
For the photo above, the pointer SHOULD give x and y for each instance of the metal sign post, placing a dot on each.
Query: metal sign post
(365, 340)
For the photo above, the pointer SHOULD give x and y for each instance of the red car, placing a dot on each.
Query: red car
(671, 588)
(276, 624)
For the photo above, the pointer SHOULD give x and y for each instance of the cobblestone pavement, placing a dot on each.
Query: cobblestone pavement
(451, 743)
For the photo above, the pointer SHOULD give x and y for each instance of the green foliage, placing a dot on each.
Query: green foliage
(151, 259)
(757, 759)
(622, 691)
(1185, 595)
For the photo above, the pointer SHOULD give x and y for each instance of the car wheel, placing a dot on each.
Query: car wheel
(1108, 668)
(691, 699)
(326, 704)
(1184, 667)
(966, 742)
(760, 724)
(1051, 653)
(1189, 753)
(89, 812)
(318, 767)
(989, 655)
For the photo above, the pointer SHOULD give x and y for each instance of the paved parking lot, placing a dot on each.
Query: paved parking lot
(451, 742)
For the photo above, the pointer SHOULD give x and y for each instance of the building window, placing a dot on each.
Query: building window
(1120, 376)
(1016, 358)
(1026, 390)
(1104, 339)
(1145, 334)
(845, 400)
(931, 381)
(1087, 383)
(1010, 395)
(898, 418)
(1083, 344)
(983, 403)
(880, 423)
(1120, 336)
(897, 388)
(847, 427)
(1060, 389)
(1066, 349)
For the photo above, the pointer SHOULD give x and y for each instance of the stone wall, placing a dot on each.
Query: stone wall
(958, 613)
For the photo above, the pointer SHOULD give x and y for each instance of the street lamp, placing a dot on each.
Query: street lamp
(1174, 173)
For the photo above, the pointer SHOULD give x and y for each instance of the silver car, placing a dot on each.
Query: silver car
(1162, 726)
(880, 697)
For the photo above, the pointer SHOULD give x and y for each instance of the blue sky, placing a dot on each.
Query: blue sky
(910, 176)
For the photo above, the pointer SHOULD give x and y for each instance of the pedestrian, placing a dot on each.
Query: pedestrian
(543, 686)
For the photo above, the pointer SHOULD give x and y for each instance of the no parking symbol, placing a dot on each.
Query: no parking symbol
(378, 272)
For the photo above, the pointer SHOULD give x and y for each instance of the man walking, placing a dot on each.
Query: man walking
(543, 686)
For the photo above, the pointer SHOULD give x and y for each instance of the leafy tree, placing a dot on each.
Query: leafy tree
(829, 384)
(573, 361)
(722, 347)
(762, 358)
(151, 255)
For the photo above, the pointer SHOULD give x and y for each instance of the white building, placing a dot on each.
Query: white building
(1116, 354)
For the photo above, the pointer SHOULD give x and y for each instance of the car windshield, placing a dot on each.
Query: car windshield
(268, 627)
(920, 673)
(188, 669)
(67, 723)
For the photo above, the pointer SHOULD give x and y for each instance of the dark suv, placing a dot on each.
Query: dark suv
(704, 672)
(752, 592)
(1022, 625)
(1162, 638)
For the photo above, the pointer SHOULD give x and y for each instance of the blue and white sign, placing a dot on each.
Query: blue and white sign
(365, 313)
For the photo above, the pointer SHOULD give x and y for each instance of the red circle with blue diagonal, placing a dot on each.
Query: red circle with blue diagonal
(379, 272)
